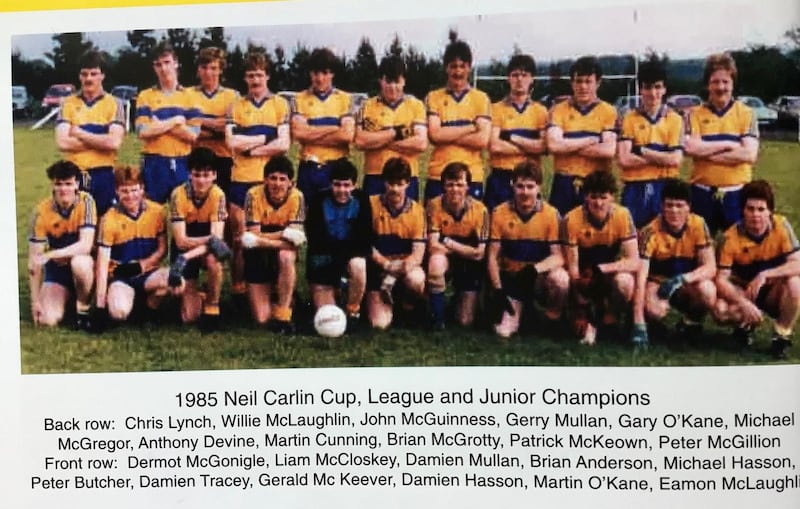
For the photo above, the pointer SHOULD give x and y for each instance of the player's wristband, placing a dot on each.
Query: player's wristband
(505, 135)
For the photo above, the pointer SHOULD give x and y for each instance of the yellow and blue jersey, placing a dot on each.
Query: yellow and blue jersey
(154, 103)
(746, 256)
(524, 239)
(662, 133)
(217, 104)
(377, 115)
(253, 118)
(587, 122)
(258, 210)
(672, 253)
(528, 121)
(326, 109)
(57, 227)
(95, 116)
(132, 237)
(396, 231)
(468, 226)
(198, 214)
(732, 123)
(597, 241)
(457, 110)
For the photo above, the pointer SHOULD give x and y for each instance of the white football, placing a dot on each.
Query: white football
(330, 321)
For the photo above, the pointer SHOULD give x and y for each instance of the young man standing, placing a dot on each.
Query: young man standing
(197, 218)
(89, 131)
(59, 249)
(581, 135)
(677, 267)
(759, 270)
(274, 215)
(602, 256)
(525, 258)
(398, 230)
(131, 244)
(322, 122)
(258, 131)
(459, 123)
(167, 122)
(458, 229)
(649, 150)
(518, 127)
(338, 225)
(389, 125)
(723, 142)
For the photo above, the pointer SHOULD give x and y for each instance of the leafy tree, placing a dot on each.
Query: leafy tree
(362, 70)
(213, 36)
(67, 50)
(183, 41)
(758, 62)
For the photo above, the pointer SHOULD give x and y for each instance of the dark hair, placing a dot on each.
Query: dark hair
(257, 61)
(457, 50)
(279, 164)
(396, 169)
(210, 54)
(675, 189)
(521, 62)
(454, 170)
(126, 175)
(63, 170)
(651, 73)
(343, 169)
(527, 170)
(586, 66)
(322, 59)
(92, 59)
(599, 182)
(201, 159)
(161, 49)
(759, 190)
(391, 68)
(719, 61)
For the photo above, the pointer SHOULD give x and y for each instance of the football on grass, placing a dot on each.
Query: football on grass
(330, 321)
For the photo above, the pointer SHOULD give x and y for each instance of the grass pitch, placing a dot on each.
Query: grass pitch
(241, 344)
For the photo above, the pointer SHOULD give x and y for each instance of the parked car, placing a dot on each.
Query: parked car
(20, 106)
(125, 92)
(788, 109)
(625, 103)
(358, 99)
(548, 101)
(56, 94)
(684, 103)
(765, 116)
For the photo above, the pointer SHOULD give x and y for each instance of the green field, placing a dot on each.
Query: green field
(241, 344)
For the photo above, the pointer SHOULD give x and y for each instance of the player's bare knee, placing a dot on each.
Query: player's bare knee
(51, 316)
(415, 280)
(625, 284)
(357, 266)
(286, 257)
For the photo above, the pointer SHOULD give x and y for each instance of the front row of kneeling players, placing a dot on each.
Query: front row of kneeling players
(590, 262)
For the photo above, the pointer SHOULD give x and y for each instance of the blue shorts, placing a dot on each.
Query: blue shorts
(434, 188)
(719, 211)
(498, 188)
(373, 185)
(518, 288)
(326, 269)
(224, 166)
(162, 175)
(313, 178)
(99, 182)
(237, 192)
(467, 275)
(643, 200)
(261, 266)
(566, 194)
(136, 282)
(59, 274)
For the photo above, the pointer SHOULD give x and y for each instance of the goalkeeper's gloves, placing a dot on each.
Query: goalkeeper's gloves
(218, 248)
(249, 240)
(175, 278)
(294, 236)
(668, 288)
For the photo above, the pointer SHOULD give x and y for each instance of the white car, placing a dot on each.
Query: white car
(19, 101)
(765, 116)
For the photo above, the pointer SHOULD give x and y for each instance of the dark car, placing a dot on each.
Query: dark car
(683, 104)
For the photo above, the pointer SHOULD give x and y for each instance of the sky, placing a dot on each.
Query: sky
(681, 29)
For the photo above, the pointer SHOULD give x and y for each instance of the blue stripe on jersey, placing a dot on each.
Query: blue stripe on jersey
(95, 128)
(268, 228)
(581, 134)
(62, 240)
(169, 112)
(525, 250)
(198, 229)
(748, 271)
(470, 240)
(589, 256)
(721, 137)
(659, 147)
(256, 130)
(323, 121)
(390, 245)
(456, 123)
(143, 111)
(134, 249)
(672, 266)
(531, 134)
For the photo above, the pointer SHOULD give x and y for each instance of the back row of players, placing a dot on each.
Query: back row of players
(246, 137)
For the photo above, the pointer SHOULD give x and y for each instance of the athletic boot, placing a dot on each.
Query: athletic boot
(779, 346)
